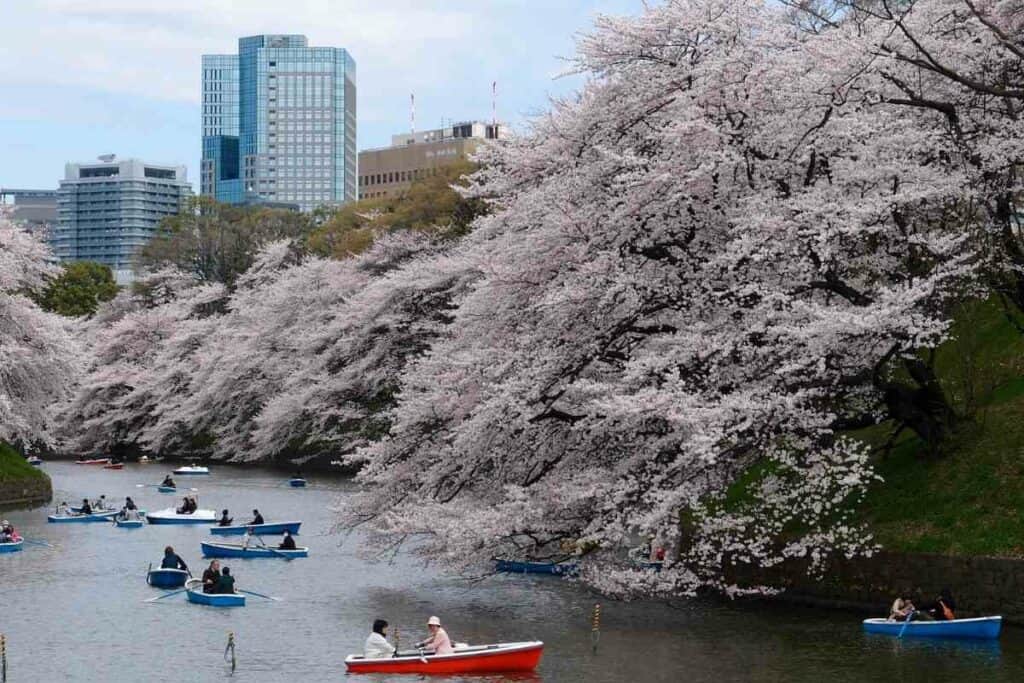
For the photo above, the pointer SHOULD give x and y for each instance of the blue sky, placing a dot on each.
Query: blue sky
(81, 78)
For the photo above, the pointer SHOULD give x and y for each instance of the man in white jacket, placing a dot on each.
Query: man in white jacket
(377, 645)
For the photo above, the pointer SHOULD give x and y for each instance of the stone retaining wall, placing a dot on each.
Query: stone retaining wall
(26, 491)
(981, 585)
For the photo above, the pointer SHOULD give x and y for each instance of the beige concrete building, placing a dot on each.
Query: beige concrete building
(387, 171)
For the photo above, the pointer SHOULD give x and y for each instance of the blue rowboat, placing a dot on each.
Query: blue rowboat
(166, 489)
(297, 482)
(556, 568)
(195, 594)
(274, 529)
(94, 517)
(240, 551)
(12, 547)
(166, 578)
(171, 516)
(981, 627)
(34, 461)
(128, 523)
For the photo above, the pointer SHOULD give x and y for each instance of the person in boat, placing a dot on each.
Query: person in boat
(100, 504)
(377, 645)
(438, 641)
(224, 519)
(902, 608)
(129, 504)
(172, 561)
(288, 543)
(251, 539)
(86, 508)
(257, 518)
(63, 510)
(168, 482)
(211, 577)
(943, 607)
(226, 582)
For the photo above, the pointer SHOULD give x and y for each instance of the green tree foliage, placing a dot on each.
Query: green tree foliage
(430, 204)
(218, 242)
(79, 290)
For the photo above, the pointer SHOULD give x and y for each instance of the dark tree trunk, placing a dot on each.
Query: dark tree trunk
(922, 408)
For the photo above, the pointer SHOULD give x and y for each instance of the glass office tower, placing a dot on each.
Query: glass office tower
(279, 123)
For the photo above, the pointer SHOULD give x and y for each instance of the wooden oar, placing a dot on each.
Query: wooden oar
(45, 544)
(273, 550)
(258, 595)
(166, 595)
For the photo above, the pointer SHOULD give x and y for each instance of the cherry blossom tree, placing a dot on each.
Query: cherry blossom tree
(726, 252)
(38, 357)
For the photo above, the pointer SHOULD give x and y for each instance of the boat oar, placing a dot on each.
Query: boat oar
(258, 595)
(166, 595)
(273, 550)
(907, 621)
(45, 544)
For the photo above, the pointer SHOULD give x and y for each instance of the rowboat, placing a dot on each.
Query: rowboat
(77, 509)
(980, 627)
(556, 568)
(171, 516)
(192, 469)
(114, 466)
(166, 489)
(297, 482)
(94, 461)
(128, 523)
(239, 550)
(12, 547)
(498, 658)
(94, 517)
(166, 578)
(273, 529)
(34, 461)
(194, 590)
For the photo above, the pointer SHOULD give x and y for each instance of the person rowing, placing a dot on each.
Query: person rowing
(211, 577)
(438, 640)
(86, 509)
(100, 505)
(224, 519)
(252, 539)
(129, 504)
(63, 510)
(287, 543)
(377, 645)
(172, 560)
(257, 518)
(168, 482)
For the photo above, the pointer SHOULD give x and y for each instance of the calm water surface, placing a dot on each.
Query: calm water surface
(76, 612)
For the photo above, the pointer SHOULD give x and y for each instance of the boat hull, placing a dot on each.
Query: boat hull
(118, 466)
(986, 628)
(166, 489)
(500, 658)
(297, 483)
(196, 595)
(12, 547)
(516, 567)
(169, 516)
(81, 519)
(97, 461)
(237, 551)
(275, 529)
(167, 578)
(35, 462)
(191, 471)
(129, 523)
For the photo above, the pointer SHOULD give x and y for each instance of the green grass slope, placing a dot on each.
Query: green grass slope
(14, 468)
(969, 502)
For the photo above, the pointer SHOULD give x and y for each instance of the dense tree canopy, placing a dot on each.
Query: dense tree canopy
(79, 289)
(739, 242)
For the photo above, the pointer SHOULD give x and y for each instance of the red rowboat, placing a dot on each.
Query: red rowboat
(96, 461)
(499, 658)
(118, 466)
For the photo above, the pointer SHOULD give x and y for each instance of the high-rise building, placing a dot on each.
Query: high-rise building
(35, 209)
(387, 171)
(279, 123)
(107, 211)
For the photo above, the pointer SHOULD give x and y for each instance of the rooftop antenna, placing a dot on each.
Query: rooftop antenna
(412, 113)
(494, 103)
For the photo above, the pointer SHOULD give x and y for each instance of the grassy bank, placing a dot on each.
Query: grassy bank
(969, 501)
(19, 481)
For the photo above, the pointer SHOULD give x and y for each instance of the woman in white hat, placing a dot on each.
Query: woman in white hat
(438, 640)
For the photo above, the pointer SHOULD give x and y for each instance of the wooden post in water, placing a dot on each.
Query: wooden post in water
(230, 648)
(595, 628)
(3, 659)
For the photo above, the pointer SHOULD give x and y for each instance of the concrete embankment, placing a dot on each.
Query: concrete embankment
(982, 586)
